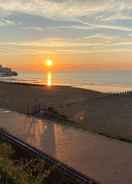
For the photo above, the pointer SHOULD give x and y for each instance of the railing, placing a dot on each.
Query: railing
(67, 171)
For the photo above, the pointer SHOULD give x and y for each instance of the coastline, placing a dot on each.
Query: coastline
(96, 81)
(102, 113)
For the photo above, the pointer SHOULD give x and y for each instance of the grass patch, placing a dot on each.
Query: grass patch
(23, 171)
(20, 166)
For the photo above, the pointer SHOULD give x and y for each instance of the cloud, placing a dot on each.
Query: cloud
(55, 9)
(89, 13)
(96, 43)
(5, 22)
(79, 25)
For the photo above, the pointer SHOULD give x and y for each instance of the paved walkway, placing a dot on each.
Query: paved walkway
(107, 161)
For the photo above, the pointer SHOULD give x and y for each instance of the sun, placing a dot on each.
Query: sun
(49, 62)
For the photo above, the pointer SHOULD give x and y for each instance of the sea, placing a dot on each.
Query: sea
(103, 81)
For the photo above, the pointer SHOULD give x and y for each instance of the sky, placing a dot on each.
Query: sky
(75, 34)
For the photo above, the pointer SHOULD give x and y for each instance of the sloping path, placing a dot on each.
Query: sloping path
(106, 160)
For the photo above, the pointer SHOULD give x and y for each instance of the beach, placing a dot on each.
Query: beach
(103, 113)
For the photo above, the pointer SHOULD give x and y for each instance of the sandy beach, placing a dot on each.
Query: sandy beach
(108, 114)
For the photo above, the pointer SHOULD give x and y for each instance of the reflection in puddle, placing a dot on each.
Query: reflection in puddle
(42, 133)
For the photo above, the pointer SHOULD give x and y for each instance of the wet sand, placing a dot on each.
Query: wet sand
(99, 112)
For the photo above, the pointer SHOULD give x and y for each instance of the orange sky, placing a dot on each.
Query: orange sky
(107, 61)
(99, 37)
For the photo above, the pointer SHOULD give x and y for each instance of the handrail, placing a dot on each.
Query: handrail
(68, 171)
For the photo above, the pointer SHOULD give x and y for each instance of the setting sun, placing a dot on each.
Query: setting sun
(49, 62)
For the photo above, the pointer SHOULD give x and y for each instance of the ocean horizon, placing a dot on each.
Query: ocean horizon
(104, 81)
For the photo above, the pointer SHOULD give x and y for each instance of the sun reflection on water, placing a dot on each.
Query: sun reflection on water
(49, 79)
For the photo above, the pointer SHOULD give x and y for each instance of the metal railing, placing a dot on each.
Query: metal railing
(67, 171)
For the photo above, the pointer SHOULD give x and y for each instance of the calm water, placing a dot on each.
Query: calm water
(106, 81)
(94, 155)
